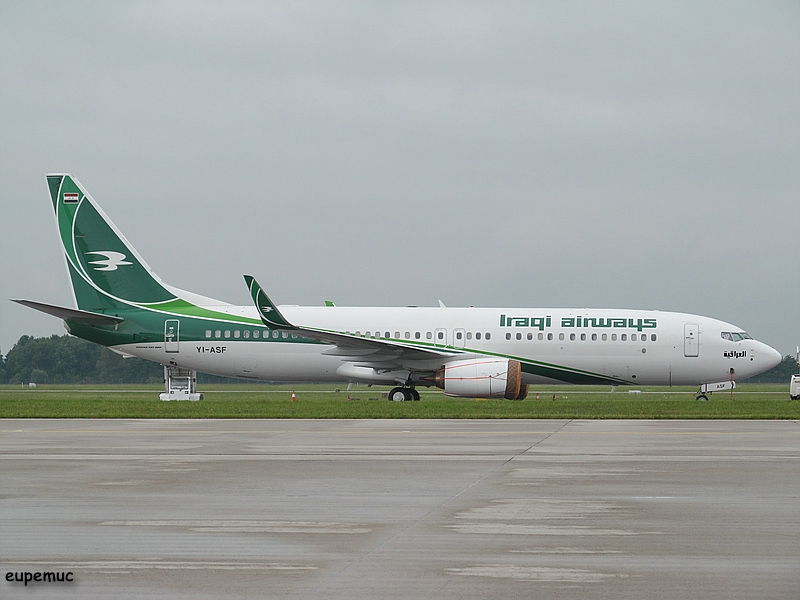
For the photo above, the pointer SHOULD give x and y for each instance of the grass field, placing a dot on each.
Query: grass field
(756, 401)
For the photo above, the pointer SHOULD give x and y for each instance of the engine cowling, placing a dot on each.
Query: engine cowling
(481, 378)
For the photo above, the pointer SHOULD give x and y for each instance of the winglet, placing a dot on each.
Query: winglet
(267, 310)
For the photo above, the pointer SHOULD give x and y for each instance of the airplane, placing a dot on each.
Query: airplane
(467, 352)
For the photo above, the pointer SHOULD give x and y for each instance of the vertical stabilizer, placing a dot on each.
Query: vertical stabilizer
(105, 271)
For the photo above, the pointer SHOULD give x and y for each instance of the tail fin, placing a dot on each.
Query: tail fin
(105, 271)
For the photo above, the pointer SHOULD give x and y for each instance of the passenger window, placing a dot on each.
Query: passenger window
(397, 335)
(488, 336)
(217, 333)
(417, 335)
(508, 336)
(594, 337)
(227, 333)
(367, 334)
(550, 336)
(428, 335)
(208, 333)
(583, 337)
(469, 335)
(541, 336)
(633, 337)
(478, 336)
(605, 337)
(246, 333)
(458, 335)
(236, 334)
(613, 337)
(561, 337)
(652, 337)
(440, 335)
(386, 335)
(530, 336)
(275, 334)
(519, 336)
(623, 337)
(284, 335)
(571, 337)
(256, 334)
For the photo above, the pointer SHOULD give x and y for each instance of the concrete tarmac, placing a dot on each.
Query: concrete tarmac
(401, 509)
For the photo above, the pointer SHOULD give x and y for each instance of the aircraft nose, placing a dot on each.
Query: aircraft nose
(770, 357)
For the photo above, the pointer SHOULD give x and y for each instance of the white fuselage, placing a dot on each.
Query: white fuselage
(559, 345)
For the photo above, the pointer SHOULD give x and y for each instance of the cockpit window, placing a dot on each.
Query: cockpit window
(732, 336)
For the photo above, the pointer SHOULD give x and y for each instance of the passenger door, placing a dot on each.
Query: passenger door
(172, 336)
(691, 340)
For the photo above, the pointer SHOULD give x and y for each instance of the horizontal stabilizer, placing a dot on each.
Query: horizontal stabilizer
(73, 314)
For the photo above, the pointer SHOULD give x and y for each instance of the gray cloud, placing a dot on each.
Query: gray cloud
(495, 154)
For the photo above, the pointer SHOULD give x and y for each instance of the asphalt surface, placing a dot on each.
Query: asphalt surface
(401, 509)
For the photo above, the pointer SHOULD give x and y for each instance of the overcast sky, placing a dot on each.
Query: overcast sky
(550, 154)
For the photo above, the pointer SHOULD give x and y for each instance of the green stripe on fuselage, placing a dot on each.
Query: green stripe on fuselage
(178, 306)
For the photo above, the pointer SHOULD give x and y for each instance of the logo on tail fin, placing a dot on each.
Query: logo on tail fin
(112, 261)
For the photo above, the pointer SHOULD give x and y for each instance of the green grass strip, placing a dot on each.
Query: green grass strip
(764, 401)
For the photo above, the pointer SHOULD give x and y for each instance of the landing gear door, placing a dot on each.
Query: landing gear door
(691, 340)
(171, 335)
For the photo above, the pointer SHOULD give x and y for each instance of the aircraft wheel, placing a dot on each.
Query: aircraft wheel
(398, 395)
(414, 394)
(702, 397)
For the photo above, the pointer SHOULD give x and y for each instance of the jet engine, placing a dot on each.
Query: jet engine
(482, 378)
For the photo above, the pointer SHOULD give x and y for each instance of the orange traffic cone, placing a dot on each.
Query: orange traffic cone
(294, 397)
(537, 396)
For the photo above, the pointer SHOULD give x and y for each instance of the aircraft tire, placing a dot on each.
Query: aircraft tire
(399, 395)
(414, 395)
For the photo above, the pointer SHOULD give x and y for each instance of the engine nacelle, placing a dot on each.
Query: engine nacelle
(482, 378)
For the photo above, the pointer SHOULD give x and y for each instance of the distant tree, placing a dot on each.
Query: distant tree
(2, 368)
(113, 368)
(778, 374)
(67, 359)
(39, 376)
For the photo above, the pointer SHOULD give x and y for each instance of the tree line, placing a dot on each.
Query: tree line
(67, 359)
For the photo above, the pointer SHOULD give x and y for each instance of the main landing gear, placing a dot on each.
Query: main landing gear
(403, 394)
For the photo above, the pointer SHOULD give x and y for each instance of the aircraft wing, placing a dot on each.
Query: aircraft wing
(367, 352)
